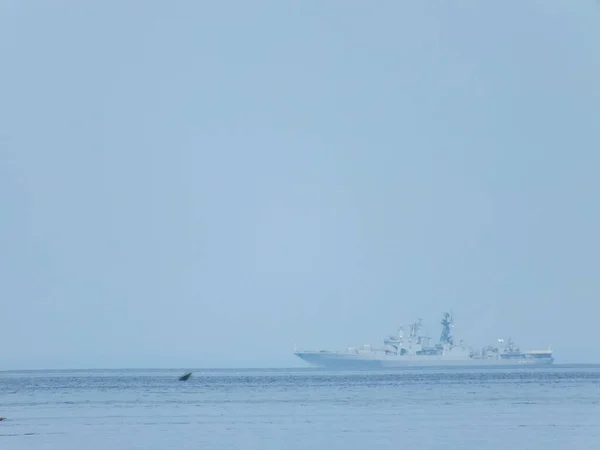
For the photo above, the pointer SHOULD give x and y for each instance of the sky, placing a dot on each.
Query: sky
(208, 184)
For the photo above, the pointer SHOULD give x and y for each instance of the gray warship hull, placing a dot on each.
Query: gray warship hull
(414, 350)
(348, 361)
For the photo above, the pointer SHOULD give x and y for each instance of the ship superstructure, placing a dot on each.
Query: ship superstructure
(416, 350)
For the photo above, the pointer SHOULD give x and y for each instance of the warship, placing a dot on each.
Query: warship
(415, 350)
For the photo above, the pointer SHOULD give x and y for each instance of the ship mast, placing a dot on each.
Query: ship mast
(414, 328)
(447, 325)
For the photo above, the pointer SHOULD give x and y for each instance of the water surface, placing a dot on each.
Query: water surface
(550, 408)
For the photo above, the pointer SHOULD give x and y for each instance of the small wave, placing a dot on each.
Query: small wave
(18, 434)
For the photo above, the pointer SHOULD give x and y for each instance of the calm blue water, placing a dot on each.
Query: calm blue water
(557, 408)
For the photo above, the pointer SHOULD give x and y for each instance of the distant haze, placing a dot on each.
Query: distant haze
(206, 184)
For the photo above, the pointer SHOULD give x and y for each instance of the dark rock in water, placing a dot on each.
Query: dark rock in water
(2, 418)
(185, 376)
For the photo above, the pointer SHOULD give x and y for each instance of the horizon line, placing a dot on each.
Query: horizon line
(283, 368)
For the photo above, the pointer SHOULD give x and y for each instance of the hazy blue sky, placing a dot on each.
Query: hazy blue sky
(199, 183)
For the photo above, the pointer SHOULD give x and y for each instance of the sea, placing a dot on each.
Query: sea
(495, 409)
